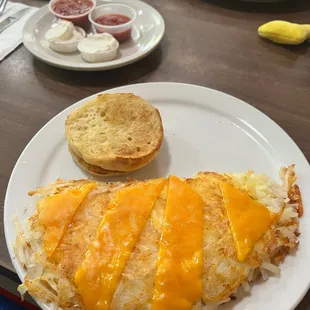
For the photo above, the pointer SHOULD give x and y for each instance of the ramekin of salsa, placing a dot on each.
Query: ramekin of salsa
(116, 19)
(75, 11)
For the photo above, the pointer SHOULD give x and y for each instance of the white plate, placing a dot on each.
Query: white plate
(147, 32)
(204, 130)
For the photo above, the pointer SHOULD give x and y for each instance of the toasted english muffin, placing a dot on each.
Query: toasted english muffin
(96, 170)
(117, 132)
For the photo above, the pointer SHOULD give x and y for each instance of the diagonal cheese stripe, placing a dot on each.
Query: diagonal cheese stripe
(249, 220)
(99, 274)
(56, 212)
(178, 281)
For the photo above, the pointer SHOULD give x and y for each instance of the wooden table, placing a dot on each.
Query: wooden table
(211, 43)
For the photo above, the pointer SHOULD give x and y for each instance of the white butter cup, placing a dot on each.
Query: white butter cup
(67, 46)
(98, 54)
(65, 31)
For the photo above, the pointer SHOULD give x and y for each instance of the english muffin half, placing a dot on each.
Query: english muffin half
(116, 132)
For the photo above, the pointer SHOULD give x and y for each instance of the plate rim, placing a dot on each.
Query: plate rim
(100, 66)
(120, 88)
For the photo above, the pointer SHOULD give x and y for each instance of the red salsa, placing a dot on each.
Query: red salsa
(112, 19)
(72, 7)
(115, 20)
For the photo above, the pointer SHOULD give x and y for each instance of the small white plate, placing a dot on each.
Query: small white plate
(147, 32)
(205, 130)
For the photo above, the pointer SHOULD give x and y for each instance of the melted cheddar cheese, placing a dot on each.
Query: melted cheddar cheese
(99, 274)
(56, 212)
(249, 220)
(178, 281)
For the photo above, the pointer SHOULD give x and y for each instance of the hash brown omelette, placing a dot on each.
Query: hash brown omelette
(156, 267)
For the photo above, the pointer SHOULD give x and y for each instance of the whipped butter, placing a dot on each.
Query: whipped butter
(99, 47)
(64, 37)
